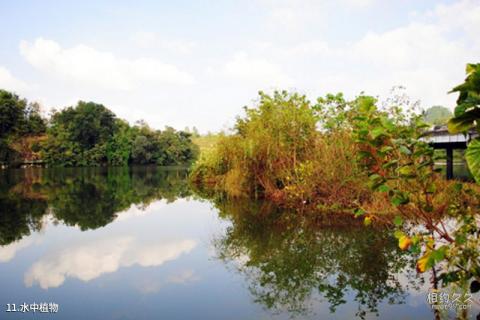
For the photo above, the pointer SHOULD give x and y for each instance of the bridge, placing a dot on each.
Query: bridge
(440, 138)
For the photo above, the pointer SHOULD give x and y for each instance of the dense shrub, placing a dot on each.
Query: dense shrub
(277, 152)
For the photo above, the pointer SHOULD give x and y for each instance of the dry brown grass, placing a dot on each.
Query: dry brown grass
(25, 145)
(445, 196)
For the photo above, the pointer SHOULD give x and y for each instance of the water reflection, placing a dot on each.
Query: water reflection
(129, 237)
(291, 261)
(86, 197)
(9, 251)
(88, 261)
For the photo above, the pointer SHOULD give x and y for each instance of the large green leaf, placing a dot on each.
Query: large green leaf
(377, 132)
(463, 122)
(460, 109)
(457, 125)
(471, 67)
(473, 158)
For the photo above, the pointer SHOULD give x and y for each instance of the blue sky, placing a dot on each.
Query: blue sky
(197, 63)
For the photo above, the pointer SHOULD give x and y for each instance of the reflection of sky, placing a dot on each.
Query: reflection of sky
(135, 211)
(147, 264)
(89, 261)
(152, 264)
(9, 251)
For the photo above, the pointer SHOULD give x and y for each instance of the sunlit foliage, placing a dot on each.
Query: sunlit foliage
(276, 152)
(91, 135)
(87, 134)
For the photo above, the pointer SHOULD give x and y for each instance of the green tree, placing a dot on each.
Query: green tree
(78, 135)
(143, 150)
(162, 147)
(12, 110)
(437, 115)
(176, 147)
(34, 123)
(88, 123)
(119, 146)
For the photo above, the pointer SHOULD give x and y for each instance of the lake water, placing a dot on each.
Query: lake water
(136, 243)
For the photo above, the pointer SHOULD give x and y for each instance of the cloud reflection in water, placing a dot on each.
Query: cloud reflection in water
(89, 261)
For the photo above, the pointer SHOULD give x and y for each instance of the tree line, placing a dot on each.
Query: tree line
(87, 134)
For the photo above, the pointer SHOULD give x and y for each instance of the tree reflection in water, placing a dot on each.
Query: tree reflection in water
(291, 260)
(85, 197)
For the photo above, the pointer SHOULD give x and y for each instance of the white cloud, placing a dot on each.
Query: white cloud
(183, 277)
(293, 15)
(136, 211)
(150, 286)
(412, 46)
(426, 56)
(358, 3)
(89, 261)
(88, 65)
(259, 72)
(145, 39)
(462, 15)
(312, 48)
(9, 251)
(298, 15)
(9, 82)
(286, 17)
(421, 56)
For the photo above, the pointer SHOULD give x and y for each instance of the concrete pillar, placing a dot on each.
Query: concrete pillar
(449, 163)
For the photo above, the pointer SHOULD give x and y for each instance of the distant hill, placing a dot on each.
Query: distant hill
(437, 115)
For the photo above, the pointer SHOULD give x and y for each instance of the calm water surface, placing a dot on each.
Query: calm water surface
(137, 244)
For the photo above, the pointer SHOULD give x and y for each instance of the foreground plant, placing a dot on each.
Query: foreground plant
(444, 229)
(467, 116)
(340, 157)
